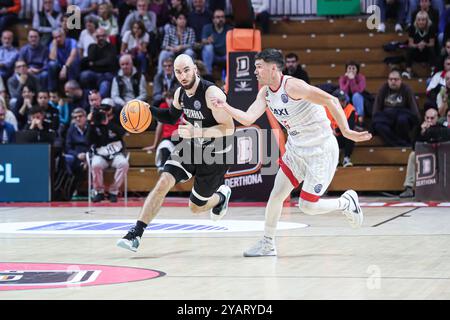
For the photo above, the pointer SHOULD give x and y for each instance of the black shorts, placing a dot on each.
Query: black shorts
(207, 178)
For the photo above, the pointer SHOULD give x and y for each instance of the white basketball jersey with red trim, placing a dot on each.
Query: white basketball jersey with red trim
(306, 123)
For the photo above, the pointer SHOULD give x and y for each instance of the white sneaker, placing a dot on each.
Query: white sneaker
(381, 27)
(353, 211)
(218, 212)
(398, 28)
(264, 247)
(132, 244)
(347, 162)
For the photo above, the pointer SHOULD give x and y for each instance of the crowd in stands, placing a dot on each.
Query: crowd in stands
(67, 84)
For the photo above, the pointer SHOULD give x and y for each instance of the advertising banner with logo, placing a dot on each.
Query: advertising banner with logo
(25, 172)
(433, 171)
(252, 176)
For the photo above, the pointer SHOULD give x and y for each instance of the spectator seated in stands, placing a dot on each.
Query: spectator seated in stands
(214, 40)
(108, 21)
(421, 42)
(87, 36)
(444, 54)
(105, 139)
(95, 100)
(63, 109)
(353, 84)
(435, 85)
(350, 113)
(442, 99)
(35, 56)
(24, 105)
(261, 10)
(415, 6)
(76, 97)
(161, 9)
(45, 21)
(9, 115)
(8, 55)
(77, 145)
(135, 42)
(142, 14)
(395, 112)
(202, 72)
(18, 80)
(8, 13)
(430, 131)
(86, 6)
(392, 8)
(100, 65)
(444, 25)
(198, 18)
(64, 60)
(51, 114)
(177, 39)
(129, 84)
(7, 131)
(163, 82)
(124, 8)
(176, 7)
(67, 26)
(162, 143)
(38, 125)
(293, 68)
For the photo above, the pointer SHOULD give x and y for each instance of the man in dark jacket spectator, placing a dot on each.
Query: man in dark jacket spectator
(294, 69)
(395, 111)
(100, 65)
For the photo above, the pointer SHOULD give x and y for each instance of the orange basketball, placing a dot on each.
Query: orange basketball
(136, 116)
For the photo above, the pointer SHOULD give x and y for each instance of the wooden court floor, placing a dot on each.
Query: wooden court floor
(399, 253)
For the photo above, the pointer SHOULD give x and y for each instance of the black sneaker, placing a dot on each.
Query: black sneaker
(407, 193)
(98, 197)
(112, 197)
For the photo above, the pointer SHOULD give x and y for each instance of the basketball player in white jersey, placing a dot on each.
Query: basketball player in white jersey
(311, 150)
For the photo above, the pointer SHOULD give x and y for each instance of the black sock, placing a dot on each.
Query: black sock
(221, 200)
(139, 228)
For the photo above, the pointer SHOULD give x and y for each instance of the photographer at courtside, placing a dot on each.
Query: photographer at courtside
(108, 150)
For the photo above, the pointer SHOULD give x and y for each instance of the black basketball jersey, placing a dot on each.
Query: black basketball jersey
(195, 108)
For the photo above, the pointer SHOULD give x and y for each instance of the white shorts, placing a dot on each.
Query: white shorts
(315, 166)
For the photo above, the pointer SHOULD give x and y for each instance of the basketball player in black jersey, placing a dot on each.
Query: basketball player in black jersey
(203, 128)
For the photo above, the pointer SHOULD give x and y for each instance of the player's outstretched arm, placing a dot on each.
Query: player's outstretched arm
(248, 117)
(298, 89)
(170, 115)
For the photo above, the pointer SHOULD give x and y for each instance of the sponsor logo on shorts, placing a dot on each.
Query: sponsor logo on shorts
(25, 276)
(317, 188)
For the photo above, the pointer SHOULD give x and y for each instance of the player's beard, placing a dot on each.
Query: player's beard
(190, 84)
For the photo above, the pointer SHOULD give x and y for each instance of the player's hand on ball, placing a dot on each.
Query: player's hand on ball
(358, 136)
